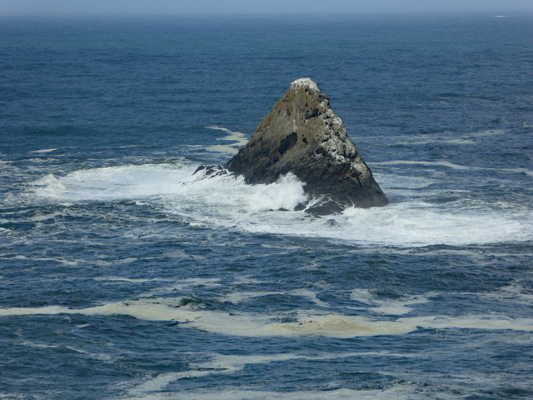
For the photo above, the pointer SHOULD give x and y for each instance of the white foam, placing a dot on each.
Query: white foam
(455, 166)
(226, 202)
(398, 393)
(459, 141)
(59, 260)
(221, 148)
(314, 323)
(431, 163)
(229, 364)
(239, 139)
(183, 286)
(309, 295)
(286, 194)
(389, 307)
(240, 297)
(36, 345)
(422, 224)
(489, 132)
(417, 141)
(513, 293)
(44, 217)
(115, 182)
(95, 356)
(127, 280)
(518, 171)
(44, 151)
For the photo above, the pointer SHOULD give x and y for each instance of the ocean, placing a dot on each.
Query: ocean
(125, 276)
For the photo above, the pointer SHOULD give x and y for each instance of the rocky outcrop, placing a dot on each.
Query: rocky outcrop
(304, 136)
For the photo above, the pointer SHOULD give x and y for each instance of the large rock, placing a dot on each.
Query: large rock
(304, 136)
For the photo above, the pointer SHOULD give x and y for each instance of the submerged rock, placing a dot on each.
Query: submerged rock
(304, 136)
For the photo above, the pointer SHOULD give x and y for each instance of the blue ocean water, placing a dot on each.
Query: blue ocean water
(123, 276)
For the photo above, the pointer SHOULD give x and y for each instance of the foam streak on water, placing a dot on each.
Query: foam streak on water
(309, 322)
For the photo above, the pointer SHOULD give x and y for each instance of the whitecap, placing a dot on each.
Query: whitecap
(44, 151)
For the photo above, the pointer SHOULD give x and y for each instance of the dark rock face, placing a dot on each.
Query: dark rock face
(304, 136)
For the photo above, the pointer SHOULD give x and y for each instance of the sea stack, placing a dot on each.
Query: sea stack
(302, 135)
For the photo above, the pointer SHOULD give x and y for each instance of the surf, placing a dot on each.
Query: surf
(227, 202)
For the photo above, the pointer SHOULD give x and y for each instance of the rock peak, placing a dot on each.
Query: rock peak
(305, 83)
(303, 135)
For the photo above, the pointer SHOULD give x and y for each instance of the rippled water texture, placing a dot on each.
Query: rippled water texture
(124, 275)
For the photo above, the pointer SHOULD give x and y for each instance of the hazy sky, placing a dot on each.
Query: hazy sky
(264, 7)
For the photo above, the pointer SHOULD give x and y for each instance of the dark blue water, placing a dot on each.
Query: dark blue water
(123, 276)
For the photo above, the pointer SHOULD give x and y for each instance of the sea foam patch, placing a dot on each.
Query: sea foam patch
(113, 183)
(398, 393)
(389, 307)
(308, 322)
(235, 141)
(230, 364)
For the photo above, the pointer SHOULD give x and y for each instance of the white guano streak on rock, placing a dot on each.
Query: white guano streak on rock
(338, 145)
(336, 141)
(305, 82)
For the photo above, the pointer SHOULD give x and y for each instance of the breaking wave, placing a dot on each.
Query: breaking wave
(225, 201)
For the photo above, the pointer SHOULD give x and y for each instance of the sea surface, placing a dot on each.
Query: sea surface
(125, 276)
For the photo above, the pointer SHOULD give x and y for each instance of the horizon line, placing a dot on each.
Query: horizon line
(494, 14)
